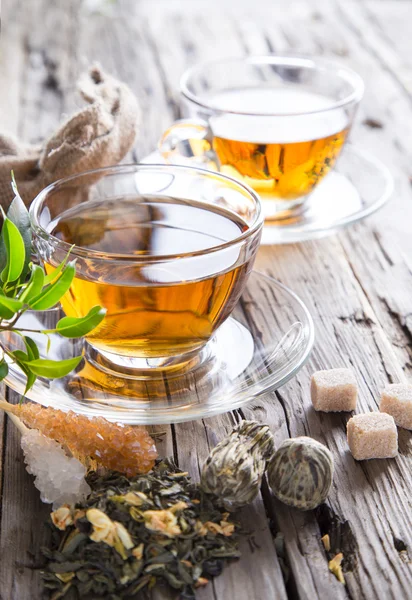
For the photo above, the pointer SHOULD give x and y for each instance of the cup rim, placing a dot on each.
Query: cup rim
(287, 59)
(80, 251)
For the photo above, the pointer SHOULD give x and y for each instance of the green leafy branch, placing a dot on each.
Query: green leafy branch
(25, 286)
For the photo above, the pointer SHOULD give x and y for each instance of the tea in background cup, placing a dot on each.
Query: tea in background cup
(276, 123)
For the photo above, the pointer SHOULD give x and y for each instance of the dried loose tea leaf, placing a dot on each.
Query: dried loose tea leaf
(335, 567)
(326, 542)
(132, 533)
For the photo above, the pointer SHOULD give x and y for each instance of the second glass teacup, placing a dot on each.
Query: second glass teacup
(276, 123)
(167, 250)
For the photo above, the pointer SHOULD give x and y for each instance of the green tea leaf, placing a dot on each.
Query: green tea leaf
(31, 347)
(3, 253)
(34, 285)
(14, 304)
(19, 215)
(9, 307)
(6, 313)
(4, 369)
(56, 271)
(31, 378)
(72, 327)
(19, 355)
(16, 253)
(52, 368)
(51, 294)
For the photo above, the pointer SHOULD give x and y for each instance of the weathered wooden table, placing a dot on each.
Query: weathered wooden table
(358, 285)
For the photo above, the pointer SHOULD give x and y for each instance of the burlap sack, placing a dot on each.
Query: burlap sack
(99, 135)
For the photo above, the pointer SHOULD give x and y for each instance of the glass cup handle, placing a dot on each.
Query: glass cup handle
(189, 142)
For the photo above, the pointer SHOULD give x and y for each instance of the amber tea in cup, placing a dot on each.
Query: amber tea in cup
(166, 250)
(174, 316)
(276, 123)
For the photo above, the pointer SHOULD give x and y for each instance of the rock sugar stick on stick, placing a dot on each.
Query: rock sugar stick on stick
(372, 435)
(334, 390)
(60, 478)
(129, 450)
(396, 400)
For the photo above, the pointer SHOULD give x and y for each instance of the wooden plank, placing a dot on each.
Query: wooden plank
(2, 436)
(362, 305)
(379, 256)
(363, 347)
(149, 81)
(308, 584)
(35, 108)
(360, 245)
(22, 529)
(11, 59)
(47, 73)
(148, 85)
(388, 18)
(387, 37)
(362, 318)
(257, 574)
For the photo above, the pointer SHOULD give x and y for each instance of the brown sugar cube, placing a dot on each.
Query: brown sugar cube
(373, 435)
(396, 400)
(334, 390)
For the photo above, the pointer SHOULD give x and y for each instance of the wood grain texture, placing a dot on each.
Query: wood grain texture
(358, 285)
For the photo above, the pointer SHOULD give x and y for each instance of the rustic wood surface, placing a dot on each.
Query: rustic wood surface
(357, 285)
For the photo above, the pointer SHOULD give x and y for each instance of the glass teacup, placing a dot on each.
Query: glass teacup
(276, 123)
(167, 250)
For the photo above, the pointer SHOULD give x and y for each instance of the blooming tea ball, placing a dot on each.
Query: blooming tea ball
(234, 469)
(300, 472)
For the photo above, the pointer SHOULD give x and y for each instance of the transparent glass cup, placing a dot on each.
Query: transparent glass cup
(277, 123)
(162, 307)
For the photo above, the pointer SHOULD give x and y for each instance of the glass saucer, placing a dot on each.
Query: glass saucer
(358, 186)
(264, 344)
